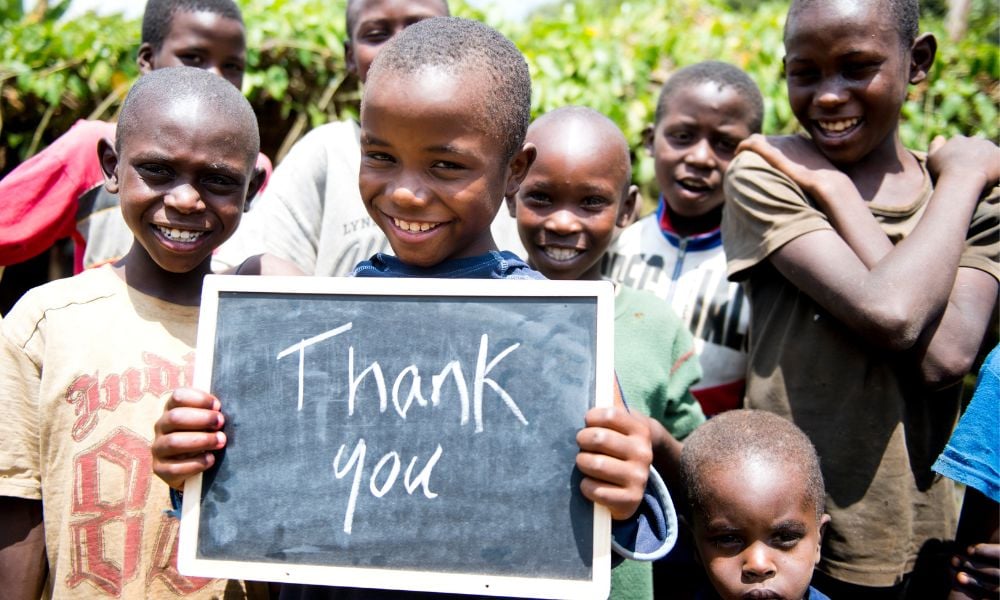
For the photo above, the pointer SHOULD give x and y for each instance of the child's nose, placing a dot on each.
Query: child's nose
(831, 93)
(757, 563)
(701, 155)
(184, 199)
(408, 191)
(562, 222)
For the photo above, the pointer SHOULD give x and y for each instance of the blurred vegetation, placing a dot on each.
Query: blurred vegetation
(609, 55)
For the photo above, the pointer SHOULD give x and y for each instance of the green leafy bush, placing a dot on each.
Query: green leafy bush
(612, 56)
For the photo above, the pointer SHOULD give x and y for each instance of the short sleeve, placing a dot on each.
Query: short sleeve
(20, 381)
(764, 210)
(972, 456)
(982, 243)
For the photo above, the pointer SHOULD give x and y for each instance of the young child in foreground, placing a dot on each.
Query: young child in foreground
(872, 276)
(85, 362)
(443, 121)
(704, 111)
(60, 192)
(576, 195)
(757, 503)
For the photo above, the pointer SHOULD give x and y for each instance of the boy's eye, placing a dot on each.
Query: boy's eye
(446, 164)
(537, 198)
(802, 73)
(680, 137)
(727, 145)
(219, 182)
(727, 541)
(380, 157)
(191, 60)
(595, 202)
(154, 171)
(375, 35)
(861, 70)
(235, 67)
(787, 540)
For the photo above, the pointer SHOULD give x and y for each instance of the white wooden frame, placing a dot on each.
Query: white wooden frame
(482, 584)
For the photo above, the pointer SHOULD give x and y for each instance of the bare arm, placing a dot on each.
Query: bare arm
(946, 350)
(893, 301)
(23, 564)
(948, 344)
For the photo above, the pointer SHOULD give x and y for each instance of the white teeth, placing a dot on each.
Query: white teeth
(413, 226)
(561, 253)
(838, 126)
(180, 235)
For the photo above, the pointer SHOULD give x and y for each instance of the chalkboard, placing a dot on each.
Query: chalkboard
(411, 434)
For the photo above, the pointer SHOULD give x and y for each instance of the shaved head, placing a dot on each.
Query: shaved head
(162, 89)
(577, 128)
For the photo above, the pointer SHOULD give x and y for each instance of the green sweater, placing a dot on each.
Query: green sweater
(656, 365)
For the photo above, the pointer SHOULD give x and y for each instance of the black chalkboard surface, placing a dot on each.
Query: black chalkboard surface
(402, 434)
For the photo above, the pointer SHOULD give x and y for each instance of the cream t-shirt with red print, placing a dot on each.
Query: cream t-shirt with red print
(86, 364)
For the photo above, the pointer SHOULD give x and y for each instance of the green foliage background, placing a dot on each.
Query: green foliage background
(609, 55)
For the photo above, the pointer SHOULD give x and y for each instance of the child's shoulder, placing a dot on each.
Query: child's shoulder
(68, 295)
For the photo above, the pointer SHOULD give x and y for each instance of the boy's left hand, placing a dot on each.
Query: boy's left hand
(615, 454)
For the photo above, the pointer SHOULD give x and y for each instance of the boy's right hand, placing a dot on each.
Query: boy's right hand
(965, 157)
(799, 160)
(187, 433)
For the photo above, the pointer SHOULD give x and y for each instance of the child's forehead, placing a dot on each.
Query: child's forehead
(865, 18)
(200, 21)
(184, 127)
(699, 99)
(454, 93)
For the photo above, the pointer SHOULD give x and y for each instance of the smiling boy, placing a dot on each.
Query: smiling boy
(576, 196)
(756, 493)
(59, 192)
(872, 274)
(85, 362)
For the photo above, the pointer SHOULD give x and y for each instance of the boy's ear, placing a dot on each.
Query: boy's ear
(823, 522)
(256, 182)
(518, 167)
(511, 202)
(109, 164)
(352, 67)
(922, 55)
(647, 137)
(145, 58)
(627, 211)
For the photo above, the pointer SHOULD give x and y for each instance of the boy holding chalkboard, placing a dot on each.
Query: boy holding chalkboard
(576, 195)
(85, 361)
(443, 120)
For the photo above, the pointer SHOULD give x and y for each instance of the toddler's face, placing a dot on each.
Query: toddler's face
(204, 40)
(758, 535)
(693, 144)
(575, 194)
(433, 172)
